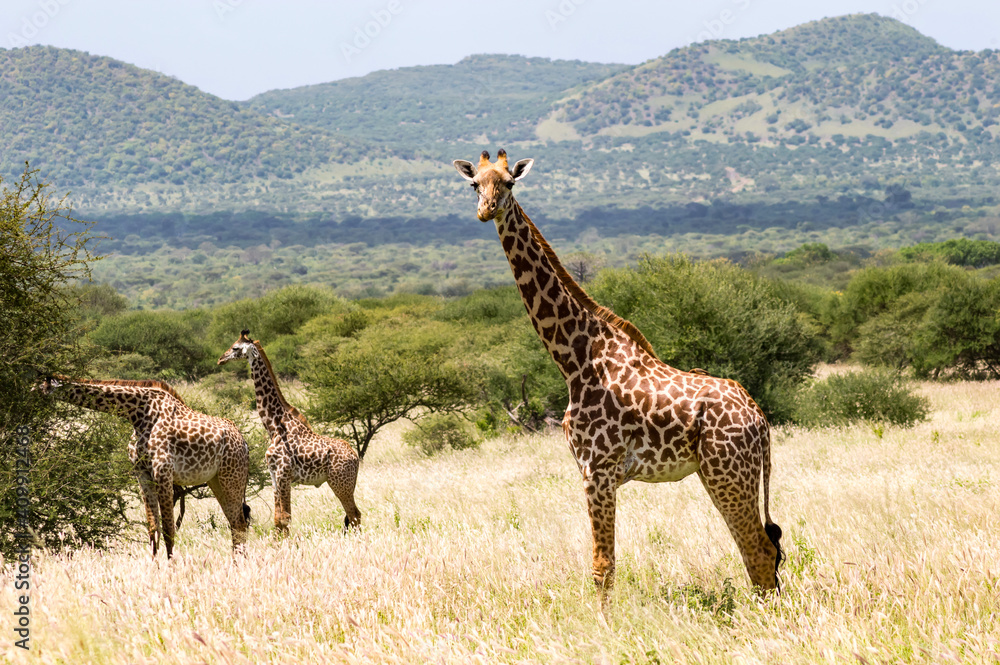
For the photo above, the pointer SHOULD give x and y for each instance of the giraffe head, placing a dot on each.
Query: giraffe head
(240, 348)
(493, 182)
(47, 385)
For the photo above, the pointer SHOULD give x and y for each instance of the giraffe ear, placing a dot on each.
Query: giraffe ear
(521, 168)
(465, 169)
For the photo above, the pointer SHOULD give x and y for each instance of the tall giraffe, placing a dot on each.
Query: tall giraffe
(631, 416)
(296, 455)
(171, 445)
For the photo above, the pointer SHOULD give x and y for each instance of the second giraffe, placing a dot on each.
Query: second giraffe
(296, 454)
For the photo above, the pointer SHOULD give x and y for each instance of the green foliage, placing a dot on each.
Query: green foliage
(808, 253)
(874, 396)
(439, 431)
(718, 317)
(938, 319)
(956, 251)
(77, 475)
(172, 341)
(485, 307)
(397, 368)
(272, 315)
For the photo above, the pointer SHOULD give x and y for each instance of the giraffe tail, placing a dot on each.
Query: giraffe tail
(772, 530)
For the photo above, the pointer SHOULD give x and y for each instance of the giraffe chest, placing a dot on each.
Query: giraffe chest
(644, 433)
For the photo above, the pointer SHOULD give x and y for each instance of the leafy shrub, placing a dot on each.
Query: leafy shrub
(719, 317)
(956, 251)
(133, 366)
(437, 432)
(277, 313)
(876, 290)
(171, 340)
(393, 369)
(870, 395)
(945, 322)
(486, 306)
(78, 476)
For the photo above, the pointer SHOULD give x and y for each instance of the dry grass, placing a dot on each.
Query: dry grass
(483, 556)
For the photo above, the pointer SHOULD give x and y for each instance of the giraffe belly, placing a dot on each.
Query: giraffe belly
(663, 473)
(309, 475)
(188, 478)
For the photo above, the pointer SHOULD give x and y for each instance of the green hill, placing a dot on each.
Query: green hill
(480, 99)
(860, 114)
(94, 122)
(825, 81)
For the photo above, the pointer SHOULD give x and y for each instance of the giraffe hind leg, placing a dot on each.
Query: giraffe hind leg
(733, 485)
(342, 483)
(152, 506)
(179, 494)
(233, 507)
(165, 494)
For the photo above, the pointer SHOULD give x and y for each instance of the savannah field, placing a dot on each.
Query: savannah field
(482, 556)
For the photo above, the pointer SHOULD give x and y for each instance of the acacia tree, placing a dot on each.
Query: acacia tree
(392, 370)
(76, 475)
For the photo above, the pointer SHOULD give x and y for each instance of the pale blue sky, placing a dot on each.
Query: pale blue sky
(238, 48)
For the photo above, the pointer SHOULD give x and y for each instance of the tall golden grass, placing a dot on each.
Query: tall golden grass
(483, 556)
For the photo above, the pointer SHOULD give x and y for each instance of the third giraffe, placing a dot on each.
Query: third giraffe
(631, 416)
(296, 454)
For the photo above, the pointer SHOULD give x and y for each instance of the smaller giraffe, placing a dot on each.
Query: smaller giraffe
(296, 455)
(172, 446)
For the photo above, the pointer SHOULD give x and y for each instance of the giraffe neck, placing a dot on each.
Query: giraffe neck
(132, 403)
(562, 322)
(276, 413)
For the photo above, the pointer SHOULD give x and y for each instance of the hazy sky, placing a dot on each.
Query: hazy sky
(238, 48)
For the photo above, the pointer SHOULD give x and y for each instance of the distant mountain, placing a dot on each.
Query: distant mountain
(482, 98)
(95, 122)
(843, 109)
(851, 76)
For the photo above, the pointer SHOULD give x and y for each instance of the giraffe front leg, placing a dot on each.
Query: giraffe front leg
(282, 503)
(601, 489)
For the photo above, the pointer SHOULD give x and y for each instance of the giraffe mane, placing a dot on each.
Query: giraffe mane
(127, 383)
(581, 296)
(274, 379)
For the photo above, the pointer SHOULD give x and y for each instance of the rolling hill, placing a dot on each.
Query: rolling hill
(855, 130)
(844, 106)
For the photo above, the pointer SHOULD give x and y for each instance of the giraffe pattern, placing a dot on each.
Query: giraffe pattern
(296, 454)
(172, 446)
(630, 416)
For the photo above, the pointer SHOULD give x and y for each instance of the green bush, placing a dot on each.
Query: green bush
(277, 313)
(876, 290)
(956, 251)
(439, 431)
(78, 476)
(871, 395)
(394, 369)
(487, 306)
(719, 317)
(173, 341)
(939, 320)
